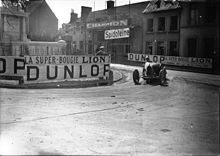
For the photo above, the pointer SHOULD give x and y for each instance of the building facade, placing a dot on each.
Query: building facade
(74, 32)
(199, 30)
(42, 24)
(162, 28)
(118, 29)
(184, 29)
(167, 28)
(12, 29)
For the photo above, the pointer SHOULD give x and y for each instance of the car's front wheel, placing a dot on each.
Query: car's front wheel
(136, 77)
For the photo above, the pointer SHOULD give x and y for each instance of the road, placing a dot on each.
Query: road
(127, 119)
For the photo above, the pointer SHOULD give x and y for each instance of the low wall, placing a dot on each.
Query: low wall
(54, 68)
(19, 48)
(205, 63)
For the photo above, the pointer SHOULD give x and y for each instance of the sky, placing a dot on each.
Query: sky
(62, 8)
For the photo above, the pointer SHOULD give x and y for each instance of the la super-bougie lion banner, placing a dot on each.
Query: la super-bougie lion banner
(173, 60)
(40, 69)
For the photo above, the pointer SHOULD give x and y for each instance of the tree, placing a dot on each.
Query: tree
(15, 3)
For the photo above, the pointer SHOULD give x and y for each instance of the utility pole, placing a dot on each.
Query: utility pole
(129, 14)
(93, 31)
(0, 24)
(1, 31)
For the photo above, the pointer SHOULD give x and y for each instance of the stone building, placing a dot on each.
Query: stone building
(185, 29)
(118, 29)
(43, 23)
(161, 28)
(12, 29)
(74, 32)
(158, 27)
(199, 30)
(17, 27)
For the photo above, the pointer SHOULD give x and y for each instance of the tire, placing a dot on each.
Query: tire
(149, 71)
(136, 77)
(162, 77)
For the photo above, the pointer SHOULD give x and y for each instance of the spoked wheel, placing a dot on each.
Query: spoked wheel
(136, 77)
(162, 78)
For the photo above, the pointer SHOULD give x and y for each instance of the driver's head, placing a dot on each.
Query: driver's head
(147, 59)
(101, 47)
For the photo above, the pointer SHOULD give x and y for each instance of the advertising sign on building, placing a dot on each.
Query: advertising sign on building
(38, 48)
(41, 69)
(173, 60)
(117, 33)
(118, 23)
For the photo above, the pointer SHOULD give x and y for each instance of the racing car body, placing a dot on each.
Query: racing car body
(151, 71)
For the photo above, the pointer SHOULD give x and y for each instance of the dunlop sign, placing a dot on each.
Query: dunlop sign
(173, 60)
(117, 33)
(40, 69)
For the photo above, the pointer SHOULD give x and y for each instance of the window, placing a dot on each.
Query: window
(210, 12)
(194, 15)
(209, 47)
(98, 19)
(161, 24)
(150, 25)
(173, 48)
(82, 29)
(149, 48)
(74, 46)
(192, 47)
(174, 23)
(161, 48)
(127, 49)
(81, 45)
(100, 35)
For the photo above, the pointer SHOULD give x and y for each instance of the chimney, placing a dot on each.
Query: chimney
(110, 4)
(73, 16)
(85, 12)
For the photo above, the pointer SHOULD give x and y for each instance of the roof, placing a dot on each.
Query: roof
(104, 14)
(156, 5)
(35, 4)
(12, 11)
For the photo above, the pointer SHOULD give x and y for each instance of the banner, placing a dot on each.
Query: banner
(173, 60)
(117, 33)
(40, 69)
(66, 59)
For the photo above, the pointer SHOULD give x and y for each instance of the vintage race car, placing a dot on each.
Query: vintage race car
(151, 71)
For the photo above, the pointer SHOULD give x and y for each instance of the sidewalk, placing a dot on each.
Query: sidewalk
(209, 79)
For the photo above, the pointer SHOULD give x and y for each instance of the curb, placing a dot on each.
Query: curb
(117, 76)
(201, 78)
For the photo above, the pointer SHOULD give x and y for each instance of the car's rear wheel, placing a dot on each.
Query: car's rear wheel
(136, 77)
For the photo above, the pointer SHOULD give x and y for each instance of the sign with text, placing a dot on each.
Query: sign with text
(66, 59)
(45, 49)
(173, 60)
(39, 69)
(117, 33)
(38, 48)
(118, 23)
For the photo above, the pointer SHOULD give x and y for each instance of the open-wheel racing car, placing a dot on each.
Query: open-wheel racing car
(151, 71)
